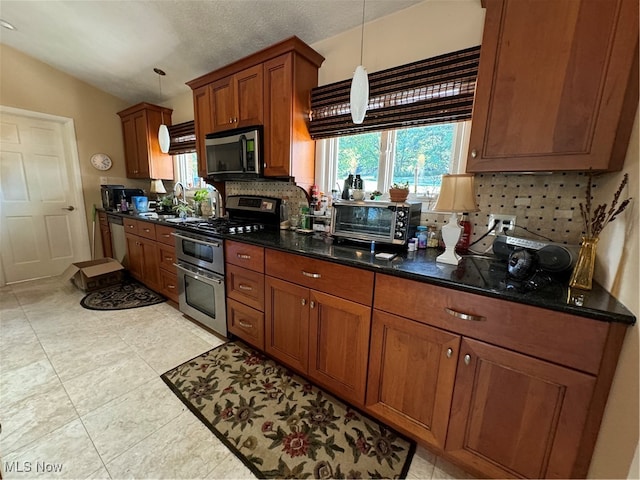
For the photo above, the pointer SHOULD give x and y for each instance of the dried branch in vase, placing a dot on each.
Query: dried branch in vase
(595, 222)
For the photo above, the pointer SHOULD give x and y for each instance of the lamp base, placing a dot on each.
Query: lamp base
(450, 235)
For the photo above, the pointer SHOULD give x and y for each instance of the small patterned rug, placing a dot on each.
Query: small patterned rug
(129, 294)
(280, 425)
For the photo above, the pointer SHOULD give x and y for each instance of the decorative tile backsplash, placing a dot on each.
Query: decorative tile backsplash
(545, 205)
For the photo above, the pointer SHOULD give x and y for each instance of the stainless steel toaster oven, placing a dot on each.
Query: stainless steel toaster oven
(384, 222)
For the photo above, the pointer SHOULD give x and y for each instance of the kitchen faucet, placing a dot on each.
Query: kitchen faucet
(178, 197)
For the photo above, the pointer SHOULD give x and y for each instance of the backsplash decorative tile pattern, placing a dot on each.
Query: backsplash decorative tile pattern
(545, 205)
(285, 190)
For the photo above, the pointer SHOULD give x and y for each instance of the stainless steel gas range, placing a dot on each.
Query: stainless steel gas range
(200, 256)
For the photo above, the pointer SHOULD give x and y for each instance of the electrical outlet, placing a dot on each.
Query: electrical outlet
(504, 221)
(103, 181)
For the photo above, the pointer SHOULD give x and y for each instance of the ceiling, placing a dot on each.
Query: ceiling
(114, 45)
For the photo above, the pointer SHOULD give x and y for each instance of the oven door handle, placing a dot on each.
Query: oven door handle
(198, 274)
(211, 244)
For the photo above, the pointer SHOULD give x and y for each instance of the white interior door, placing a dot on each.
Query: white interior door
(41, 208)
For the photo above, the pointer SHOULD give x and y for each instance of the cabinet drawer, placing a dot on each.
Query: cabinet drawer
(346, 282)
(167, 257)
(246, 323)
(102, 219)
(130, 226)
(164, 235)
(243, 255)
(555, 336)
(147, 230)
(245, 286)
(169, 284)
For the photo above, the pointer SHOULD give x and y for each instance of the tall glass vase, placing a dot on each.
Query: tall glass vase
(582, 276)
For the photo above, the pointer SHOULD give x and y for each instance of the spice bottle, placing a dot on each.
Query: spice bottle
(422, 236)
(462, 247)
(432, 236)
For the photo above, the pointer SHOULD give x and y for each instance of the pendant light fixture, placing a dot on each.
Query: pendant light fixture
(163, 132)
(359, 98)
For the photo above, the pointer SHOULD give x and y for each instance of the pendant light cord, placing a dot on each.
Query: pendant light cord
(362, 31)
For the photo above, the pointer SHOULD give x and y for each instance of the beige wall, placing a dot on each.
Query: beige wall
(29, 84)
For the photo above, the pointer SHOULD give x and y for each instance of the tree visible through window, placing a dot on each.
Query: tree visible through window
(418, 156)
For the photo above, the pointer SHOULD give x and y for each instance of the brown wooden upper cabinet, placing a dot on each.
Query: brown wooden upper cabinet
(237, 100)
(269, 88)
(143, 158)
(557, 86)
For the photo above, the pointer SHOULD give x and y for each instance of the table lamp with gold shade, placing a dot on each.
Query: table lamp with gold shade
(457, 195)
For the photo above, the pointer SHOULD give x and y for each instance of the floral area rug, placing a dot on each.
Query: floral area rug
(129, 294)
(280, 425)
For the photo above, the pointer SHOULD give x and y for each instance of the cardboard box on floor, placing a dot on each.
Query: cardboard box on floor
(94, 274)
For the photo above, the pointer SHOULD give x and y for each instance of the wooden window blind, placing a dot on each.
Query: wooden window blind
(183, 138)
(434, 90)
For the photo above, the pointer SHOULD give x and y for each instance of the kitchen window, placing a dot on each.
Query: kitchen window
(418, 155)
(416, 128)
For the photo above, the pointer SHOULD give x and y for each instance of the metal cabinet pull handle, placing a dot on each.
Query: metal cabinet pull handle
(132, 226)
(169, 259)
(243, 256)
(464, 316)
(171, 286)
(147, 230)
(244, 324)
(449, 352)
(467, 359)
(311, 275)
(247, 288)
(474, 153)
(304, 302)
(313, 304)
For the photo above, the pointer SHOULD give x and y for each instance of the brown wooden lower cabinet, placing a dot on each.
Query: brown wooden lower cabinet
(143, 260)
(105, 235)
(286, 333)
(246, 322)
(321, 335)
(412, 369)
(516, 416)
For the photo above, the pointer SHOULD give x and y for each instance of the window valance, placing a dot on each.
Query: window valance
(183, 138)
(434, 90)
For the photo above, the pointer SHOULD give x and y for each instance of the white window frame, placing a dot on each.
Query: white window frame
(327, 164)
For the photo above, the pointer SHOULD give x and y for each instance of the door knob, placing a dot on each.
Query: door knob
(71, 208)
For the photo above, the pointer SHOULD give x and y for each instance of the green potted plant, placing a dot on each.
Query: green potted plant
(399, 192)
(165, 204)
(199, 196)
(183, 210)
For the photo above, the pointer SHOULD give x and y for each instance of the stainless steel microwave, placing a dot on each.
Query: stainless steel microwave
(385, 222)
(234, 154)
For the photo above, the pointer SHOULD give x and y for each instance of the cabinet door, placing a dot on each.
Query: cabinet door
(513, 415)
(223, 104)
(150, 263)
(412, 369)
(278, 91)
(287, 323)
(141, 162)
(562, 97)
(135, 256)
(339, 345)
(248, 93)
(105, 234)
(130, 139)
(203, 119)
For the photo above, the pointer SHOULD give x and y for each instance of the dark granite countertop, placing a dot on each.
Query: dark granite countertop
(483, 275)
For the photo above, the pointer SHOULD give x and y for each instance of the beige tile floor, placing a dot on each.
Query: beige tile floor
(81, 394)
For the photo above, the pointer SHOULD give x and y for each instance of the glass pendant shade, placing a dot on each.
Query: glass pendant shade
(359, 98)
(163, 138)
